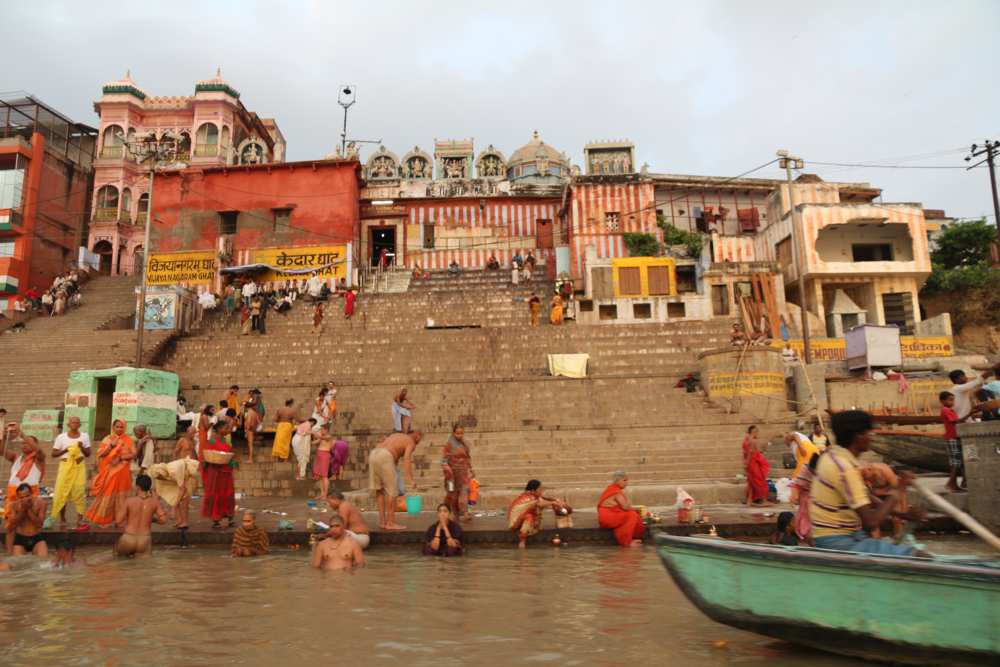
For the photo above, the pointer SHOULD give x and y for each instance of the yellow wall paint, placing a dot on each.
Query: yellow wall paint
(643, 263)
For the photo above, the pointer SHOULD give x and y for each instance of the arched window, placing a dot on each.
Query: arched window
(111, 142)
(107, 203)
(207, 140)
(126, 204)
(142, 209)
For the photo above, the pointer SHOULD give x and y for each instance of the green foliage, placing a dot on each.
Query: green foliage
(964, 244)
(641, 245)
(693, 241)
(961, 272)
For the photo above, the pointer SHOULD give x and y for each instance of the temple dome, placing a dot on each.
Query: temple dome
(537, 159)
(125, 85)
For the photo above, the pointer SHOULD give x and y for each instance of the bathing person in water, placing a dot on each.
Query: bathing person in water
(338, 551)
(138, 514)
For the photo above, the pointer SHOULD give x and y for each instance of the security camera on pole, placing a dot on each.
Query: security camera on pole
(157, 152)
(787, 162)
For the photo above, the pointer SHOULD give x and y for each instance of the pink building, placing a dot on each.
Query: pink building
(215, 129)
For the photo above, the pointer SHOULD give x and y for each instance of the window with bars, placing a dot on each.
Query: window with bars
(228, 222)
(612, 221)
(428, 236)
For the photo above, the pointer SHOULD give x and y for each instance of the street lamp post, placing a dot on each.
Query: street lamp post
(787, 162)
(157, 152)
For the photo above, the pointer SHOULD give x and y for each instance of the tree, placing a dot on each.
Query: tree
(641, 245)
(964, 244)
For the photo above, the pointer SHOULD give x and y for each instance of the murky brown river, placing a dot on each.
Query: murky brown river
(574, 606)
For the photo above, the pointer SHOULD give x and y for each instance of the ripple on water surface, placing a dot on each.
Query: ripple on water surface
(571, 606)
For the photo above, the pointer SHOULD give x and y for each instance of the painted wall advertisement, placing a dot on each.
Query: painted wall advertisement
(196, 267)
(835, 349)
(298, 263)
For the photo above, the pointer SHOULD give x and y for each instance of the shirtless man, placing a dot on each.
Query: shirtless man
(382, 474)
(27, 514)
(337, 551)
(138, 514)
(184, 449)
(355, 523)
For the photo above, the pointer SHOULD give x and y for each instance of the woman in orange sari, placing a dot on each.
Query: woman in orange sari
(616, 513)
(524, 516)
(113, 482)
(756, 467)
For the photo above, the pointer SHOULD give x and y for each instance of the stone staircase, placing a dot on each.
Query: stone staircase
(35, 363)
(488, 372)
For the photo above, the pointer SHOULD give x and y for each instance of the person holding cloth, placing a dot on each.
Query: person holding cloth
(71, 448)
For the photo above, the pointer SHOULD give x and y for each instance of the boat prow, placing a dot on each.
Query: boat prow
(911, 611)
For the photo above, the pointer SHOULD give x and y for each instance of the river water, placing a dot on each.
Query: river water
(569, 606)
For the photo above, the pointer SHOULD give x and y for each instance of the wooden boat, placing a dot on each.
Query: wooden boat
(899, 420)
(912, 448)
(886, 608)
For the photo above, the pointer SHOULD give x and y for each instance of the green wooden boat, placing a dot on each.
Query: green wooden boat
(912, 448)
(910, 611)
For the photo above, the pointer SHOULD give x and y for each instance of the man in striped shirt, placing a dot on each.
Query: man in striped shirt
(840, 507)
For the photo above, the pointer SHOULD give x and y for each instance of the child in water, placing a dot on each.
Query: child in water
(784, 533)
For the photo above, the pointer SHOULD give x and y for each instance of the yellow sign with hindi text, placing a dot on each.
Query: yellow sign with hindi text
(297, 263)
(195, 267)
(835, 349)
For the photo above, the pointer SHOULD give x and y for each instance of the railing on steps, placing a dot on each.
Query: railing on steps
(376, 279)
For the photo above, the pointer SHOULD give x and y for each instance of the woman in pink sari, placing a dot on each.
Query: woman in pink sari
(756, 467)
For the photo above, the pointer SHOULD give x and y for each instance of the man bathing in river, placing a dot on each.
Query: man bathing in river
(382, 474)
(249, 539)
(25, 520)
(337, 551)
(840, 506)
(137, 515)
(354, 523)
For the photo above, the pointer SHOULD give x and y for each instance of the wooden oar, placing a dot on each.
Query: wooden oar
(957, 514)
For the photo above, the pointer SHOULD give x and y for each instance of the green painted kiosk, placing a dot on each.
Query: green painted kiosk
(137, 395)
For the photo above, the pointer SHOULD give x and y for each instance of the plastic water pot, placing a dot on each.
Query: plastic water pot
(414, 504)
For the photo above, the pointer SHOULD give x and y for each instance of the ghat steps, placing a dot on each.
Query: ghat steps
(490, 375)
(36, 362)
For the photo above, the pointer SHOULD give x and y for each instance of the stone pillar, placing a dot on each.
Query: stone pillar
(981, 452)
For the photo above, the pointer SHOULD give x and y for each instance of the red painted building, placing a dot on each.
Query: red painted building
(46, 175)
(240, 212)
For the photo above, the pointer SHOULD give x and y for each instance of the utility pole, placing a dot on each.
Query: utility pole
(990, 149)
(787, 162)
(155, 151)
(346, 98)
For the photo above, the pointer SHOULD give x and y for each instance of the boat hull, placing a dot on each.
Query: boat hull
(912, 449)
(883, 608)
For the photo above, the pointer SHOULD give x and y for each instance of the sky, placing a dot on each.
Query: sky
(709, 88)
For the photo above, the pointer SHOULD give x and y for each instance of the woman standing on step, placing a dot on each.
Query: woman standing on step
(218, 499)
(456, 464)
(205, 421)
(113, 483)
(756, 466)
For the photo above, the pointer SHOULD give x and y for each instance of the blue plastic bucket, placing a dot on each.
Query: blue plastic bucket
(414, 504)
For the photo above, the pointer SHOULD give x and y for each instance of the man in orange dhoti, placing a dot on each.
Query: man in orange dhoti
(113, 482)
(615, 512)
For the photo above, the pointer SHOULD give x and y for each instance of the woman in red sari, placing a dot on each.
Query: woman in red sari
(616, 513)
(349, 297)
(113, 482)
(219, 498)
(756, 467)
(456, 463)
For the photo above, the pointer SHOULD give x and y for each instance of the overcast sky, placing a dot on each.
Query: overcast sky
(701, 88)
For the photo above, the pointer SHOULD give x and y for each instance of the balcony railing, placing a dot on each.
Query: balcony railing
(206, 150)
(105, 214)
(112, 152)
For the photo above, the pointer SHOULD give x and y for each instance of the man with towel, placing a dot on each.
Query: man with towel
(284, 420)
(175, 482)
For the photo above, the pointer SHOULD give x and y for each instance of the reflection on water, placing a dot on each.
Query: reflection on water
(574, 606)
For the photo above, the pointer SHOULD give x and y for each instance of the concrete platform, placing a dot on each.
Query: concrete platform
(730, 520)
